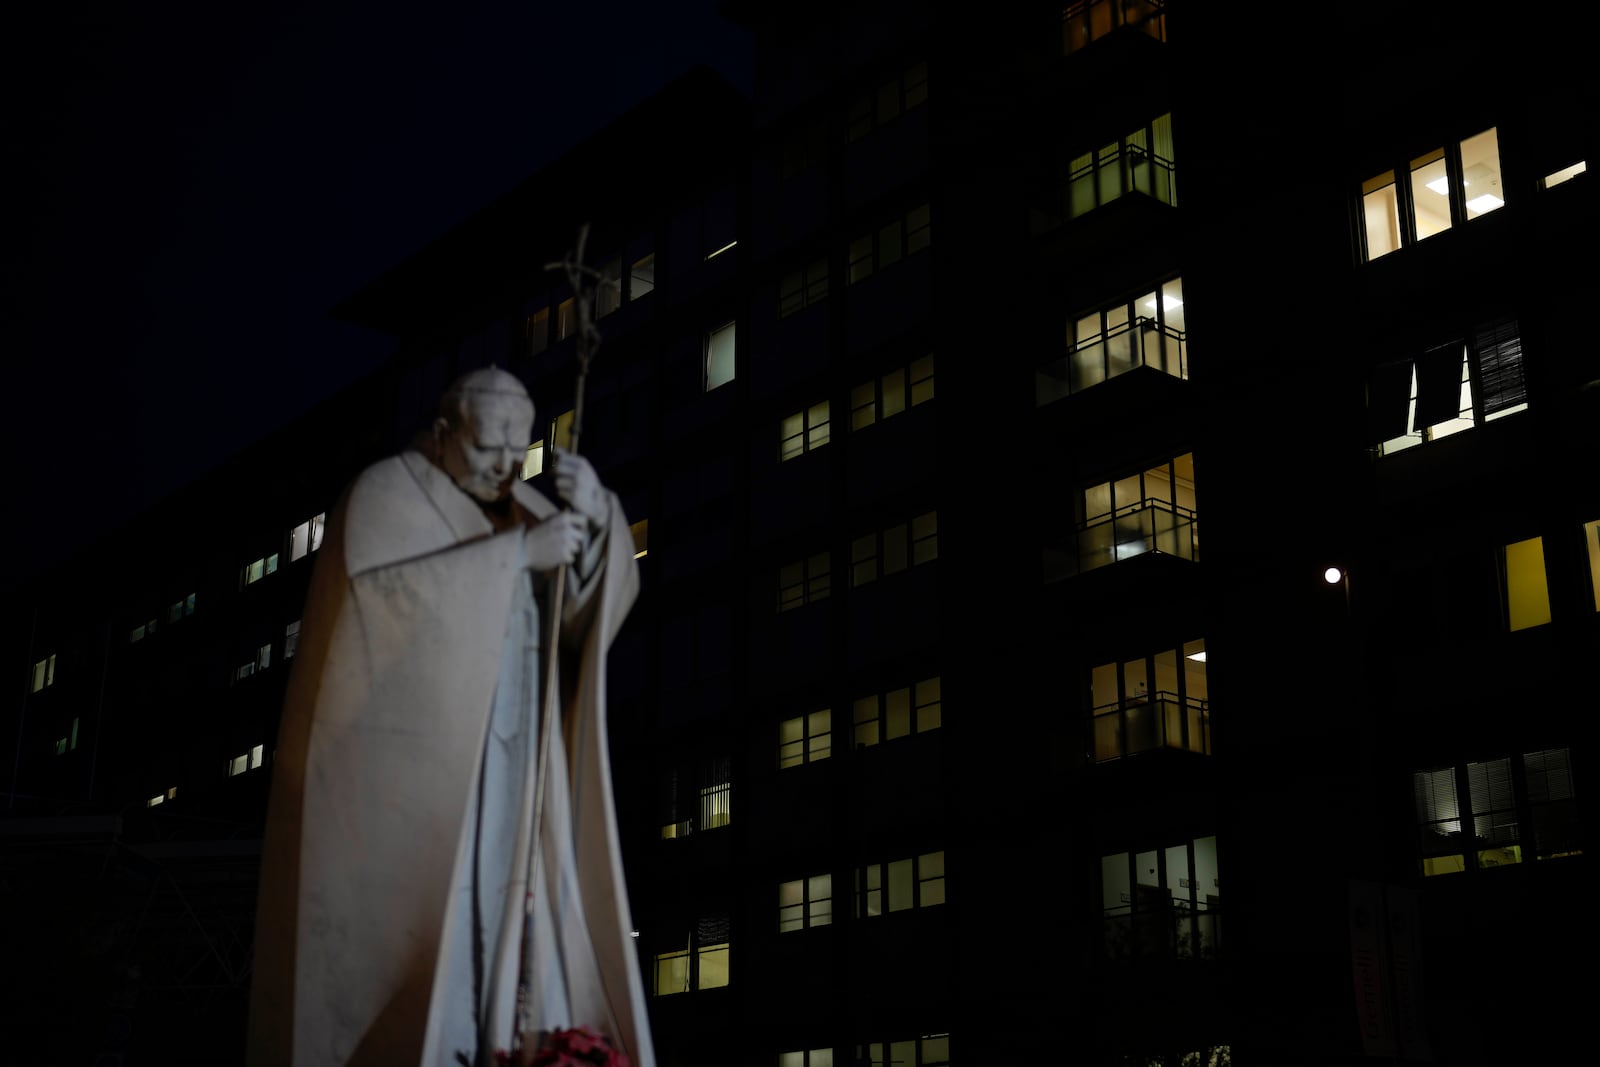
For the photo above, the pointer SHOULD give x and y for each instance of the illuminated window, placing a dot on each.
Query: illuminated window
(1563, 175)
(533, 460)
(1512, 804)
(1447, 389)
(894, 549)
(716, 796)
(1442, 188)
(803, 582)
(802, 288)
(1591, 538)
(705, 967)
(137, 633)
(672, 972)
(44, 673)
(879, 398)
(1090, 20)
(537, 331)
(886, 101)
(256, 570)
(1163, 902)
(888, 244)
(608, 295)
(642, 276)
(307, 537)
(803, 431)
(899, 885)
(1147, 331)
(188, 605)
(244, 670)
(897, 713)
(1153, 702)
(264, 657)
(805, 739)
(560, 431)
(566, 318)
(291, 639)
(696, 798)
(1527, 595)
(239, 764)
(1148, 511)
(1141, 162)
(641, 538)
(719, 362)
(805, 903)
(816, 1057)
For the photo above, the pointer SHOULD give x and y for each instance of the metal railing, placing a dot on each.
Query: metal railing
(1147, 526)
(1179, 931)
(1103, 175)
(1162, 720)
(1141, 343)
(1090, 20)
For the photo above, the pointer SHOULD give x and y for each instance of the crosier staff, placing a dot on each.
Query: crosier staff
(585, 282)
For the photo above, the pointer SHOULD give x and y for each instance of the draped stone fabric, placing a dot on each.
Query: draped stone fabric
(409, 743)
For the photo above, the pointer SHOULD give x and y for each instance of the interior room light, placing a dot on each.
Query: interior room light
(1332, 575)
(1441, 185)
(1486, 202)
(1198, 657)
(1166, 302)
(721, 250)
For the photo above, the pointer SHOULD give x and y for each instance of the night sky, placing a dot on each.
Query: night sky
(192, 187)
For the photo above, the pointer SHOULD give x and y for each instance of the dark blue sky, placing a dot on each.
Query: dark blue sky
(191, 187)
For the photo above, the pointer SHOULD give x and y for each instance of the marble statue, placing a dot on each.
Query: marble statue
(409, 911)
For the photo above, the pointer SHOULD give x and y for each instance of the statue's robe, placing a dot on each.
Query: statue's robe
(407, 741)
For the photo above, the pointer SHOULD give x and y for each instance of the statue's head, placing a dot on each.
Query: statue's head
(484, 426)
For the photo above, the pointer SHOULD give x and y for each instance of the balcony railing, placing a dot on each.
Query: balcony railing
(1164, 720)
(1101, 176)
(1090, 20)
(1148, 526)
(1142, 343)
(1175, 932)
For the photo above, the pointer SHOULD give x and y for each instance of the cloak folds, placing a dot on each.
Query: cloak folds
(378, 762)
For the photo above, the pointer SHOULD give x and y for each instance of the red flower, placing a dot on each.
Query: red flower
(578, 1046)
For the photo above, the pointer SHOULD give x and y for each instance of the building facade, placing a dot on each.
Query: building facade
(923, 371)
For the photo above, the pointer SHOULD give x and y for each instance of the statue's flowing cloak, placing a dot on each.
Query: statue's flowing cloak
(378, 757)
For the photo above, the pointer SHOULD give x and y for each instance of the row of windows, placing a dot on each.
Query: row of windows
(928, 1050)
(1448, 388)
(1447, 186)
(867, 111)
(884, 552)
(610, 294)
(875, 718)
(880, 888)
(872, 401)
(1517, 808)
(177, 611)
(304, 539)
(876, 249)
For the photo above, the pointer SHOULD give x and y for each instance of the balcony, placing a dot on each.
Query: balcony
(1090, 20)
(1172, 930)
(1142, 343)
(1163, 720)
(1148, 526)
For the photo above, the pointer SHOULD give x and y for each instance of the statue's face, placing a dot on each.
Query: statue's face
(484, 454)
